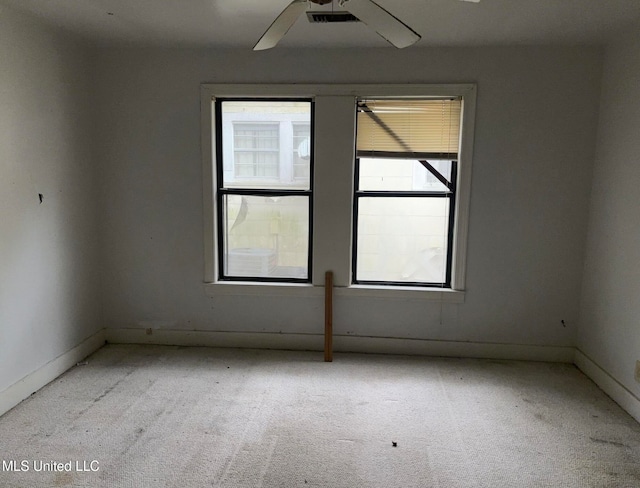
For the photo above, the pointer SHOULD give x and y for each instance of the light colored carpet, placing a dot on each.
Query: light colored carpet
(154, 416)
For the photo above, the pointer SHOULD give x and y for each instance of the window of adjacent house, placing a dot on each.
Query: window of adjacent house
(256, 150)
(264, 189)
(405, 191)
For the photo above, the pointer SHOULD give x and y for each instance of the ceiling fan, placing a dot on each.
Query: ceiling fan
(369, 12)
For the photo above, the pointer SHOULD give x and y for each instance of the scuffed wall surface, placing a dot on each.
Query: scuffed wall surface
(49, 300)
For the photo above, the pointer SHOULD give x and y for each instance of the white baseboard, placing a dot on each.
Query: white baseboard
(455, 349)
(315, 342)
(21, 389)
(612, 387)
(249, 340)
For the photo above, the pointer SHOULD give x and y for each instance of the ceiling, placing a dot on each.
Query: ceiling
(239, 23)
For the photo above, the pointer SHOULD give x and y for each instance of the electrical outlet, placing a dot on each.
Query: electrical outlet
(637, 373)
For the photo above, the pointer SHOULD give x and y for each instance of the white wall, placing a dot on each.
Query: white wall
(49, 300)
(536, 123)
(610, 311)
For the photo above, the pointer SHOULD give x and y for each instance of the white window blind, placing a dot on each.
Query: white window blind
(426, 126)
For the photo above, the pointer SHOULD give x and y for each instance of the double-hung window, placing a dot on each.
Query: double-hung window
(371, 182)
(405, 191)
(264, 189)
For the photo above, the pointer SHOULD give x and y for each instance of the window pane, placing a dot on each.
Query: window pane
(402, 239)
(266, 144)
(301, 151)
(266, 237)
(378, 174)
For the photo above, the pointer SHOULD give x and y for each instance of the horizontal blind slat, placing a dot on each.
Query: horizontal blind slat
(419, 126)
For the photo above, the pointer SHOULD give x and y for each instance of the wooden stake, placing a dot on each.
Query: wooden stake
(328, 316)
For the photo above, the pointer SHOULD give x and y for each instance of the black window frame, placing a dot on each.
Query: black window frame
(450, 193)
(221, 191)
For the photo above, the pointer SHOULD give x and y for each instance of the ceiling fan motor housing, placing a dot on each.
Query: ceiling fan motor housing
(369, 12)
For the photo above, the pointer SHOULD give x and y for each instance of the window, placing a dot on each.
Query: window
(264, 191)
(302, 179)
(405, 191)
(256, 150)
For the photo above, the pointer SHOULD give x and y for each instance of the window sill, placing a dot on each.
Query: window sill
(247, 288)
(403, 293)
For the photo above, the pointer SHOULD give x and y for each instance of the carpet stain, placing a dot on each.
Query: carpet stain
(112, 387)
(611, 443)
(540, 417)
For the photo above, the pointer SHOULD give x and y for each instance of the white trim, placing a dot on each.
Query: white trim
(454, 349)
(248, 288)
(463, 192)
(612, 387)
(207, 148)
(335, 125)
(338, 89)
(403, 293)
(245, 340)
(21, 389)
(341, 343)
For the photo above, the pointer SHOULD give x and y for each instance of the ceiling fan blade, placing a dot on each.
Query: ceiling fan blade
(383, 22)
(281, 25)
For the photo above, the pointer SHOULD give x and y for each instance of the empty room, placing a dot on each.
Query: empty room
(319, 243)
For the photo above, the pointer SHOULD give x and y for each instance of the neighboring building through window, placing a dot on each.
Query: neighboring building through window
(256, 150)
(264, 190)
